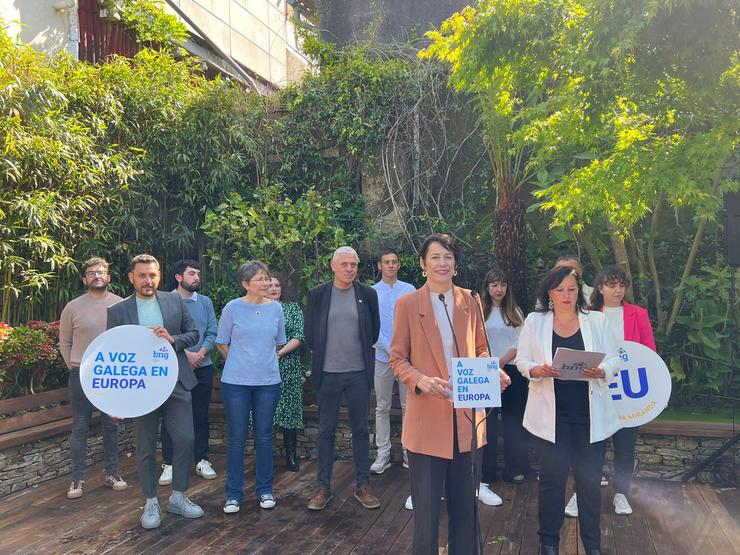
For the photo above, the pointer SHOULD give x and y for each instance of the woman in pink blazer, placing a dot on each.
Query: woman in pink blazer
(628, 323)
(431, 325)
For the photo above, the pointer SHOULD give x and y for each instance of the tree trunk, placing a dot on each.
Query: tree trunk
(651, 262)
(620, 254)
(584, 237)
(509, 245)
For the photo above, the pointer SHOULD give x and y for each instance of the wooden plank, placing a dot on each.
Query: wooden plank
(38, 432)
(686, 428)
(9, 406)
(31, 419)
(722, 535)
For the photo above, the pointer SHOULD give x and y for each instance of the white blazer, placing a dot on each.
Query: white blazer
(535, 348)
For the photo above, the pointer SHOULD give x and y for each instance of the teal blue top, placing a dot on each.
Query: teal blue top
(149, 312)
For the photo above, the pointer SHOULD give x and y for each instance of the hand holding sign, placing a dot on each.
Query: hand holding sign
(128, 371)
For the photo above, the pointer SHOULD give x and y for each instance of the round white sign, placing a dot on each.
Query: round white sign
(642, 387)
(127, 371)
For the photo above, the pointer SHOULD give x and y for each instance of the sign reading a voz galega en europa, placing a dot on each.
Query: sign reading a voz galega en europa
(127, 371)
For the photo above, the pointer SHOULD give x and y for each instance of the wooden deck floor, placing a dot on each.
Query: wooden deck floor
(669, 519)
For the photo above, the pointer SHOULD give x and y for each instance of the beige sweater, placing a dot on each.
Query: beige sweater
(82, 320)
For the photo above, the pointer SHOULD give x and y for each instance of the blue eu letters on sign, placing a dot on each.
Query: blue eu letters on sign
(627, 384)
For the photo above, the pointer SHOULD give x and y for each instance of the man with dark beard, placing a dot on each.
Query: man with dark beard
(82, 320)
(187, 275)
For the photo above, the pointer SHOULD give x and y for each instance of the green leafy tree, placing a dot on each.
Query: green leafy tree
(623, 108)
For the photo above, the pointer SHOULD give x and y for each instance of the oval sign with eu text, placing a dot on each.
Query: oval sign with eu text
(642, 387)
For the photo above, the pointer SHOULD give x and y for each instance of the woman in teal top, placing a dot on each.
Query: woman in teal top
(289, 413)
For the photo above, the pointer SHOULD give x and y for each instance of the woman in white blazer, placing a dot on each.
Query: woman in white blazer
(572, 418)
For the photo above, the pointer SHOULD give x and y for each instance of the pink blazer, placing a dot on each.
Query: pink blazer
(637, 326)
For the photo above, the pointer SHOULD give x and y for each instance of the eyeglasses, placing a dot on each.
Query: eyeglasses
(94, 273)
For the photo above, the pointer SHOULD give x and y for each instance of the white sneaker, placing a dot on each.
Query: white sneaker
(380, 465)
(205, 470)
(409, 506)
(571, 509)
(487, 497)
(604, 481)
(166, 478)
(621, 505)
(267, 501)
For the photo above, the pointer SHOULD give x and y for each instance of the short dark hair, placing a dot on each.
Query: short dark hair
(94, 261)
(249, 269)
(142, 259)
(551, 280)
(389, 250)
(443, 239)
(606, 275)
(179, 267)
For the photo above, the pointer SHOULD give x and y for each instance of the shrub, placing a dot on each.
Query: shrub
(27, 354)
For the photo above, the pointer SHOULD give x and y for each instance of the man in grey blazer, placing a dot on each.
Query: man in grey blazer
(168, 317)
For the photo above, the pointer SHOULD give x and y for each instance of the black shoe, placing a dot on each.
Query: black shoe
(548, 549)
(290, 438)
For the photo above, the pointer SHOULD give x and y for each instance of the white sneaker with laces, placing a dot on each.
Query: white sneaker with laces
(165, 479)
(487, 497)
(380, 465)
(409, 505)
(205, 470)
(621, 505)
(571, 509)
(231, 506)
(267, 501)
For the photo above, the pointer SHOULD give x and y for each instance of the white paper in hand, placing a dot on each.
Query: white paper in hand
(571, 363)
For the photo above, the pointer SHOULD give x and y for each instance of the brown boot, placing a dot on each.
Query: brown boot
(320, 499)
(367, 498)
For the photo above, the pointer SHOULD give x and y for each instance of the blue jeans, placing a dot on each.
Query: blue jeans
(82, 410)
(355, 387)
(238, 401)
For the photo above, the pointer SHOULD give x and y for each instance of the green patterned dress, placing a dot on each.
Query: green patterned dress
(289, 412)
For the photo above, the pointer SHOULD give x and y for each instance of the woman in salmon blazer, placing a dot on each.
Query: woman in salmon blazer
(437, 436)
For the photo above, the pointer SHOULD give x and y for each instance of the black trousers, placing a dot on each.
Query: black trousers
(624, 458)
(430, 478)
(516, 437)
(570, 450)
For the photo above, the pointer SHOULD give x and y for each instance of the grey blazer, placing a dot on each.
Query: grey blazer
(177, 320)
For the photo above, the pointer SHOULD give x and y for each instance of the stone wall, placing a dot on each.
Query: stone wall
(659, 456)
(31, 463)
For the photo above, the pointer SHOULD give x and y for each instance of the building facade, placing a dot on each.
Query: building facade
(259, 35)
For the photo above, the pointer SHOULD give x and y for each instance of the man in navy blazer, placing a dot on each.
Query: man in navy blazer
(169, 318)
(342, 325)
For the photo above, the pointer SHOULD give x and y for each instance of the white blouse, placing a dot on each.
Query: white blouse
(501, 336)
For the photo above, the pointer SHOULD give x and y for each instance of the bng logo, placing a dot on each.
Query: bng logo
(627, 387)
(162, 354)
(623, 356)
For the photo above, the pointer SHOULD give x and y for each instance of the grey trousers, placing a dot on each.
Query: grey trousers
(177, 415)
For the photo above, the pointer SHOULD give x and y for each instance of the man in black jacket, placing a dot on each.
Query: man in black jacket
(342, 325)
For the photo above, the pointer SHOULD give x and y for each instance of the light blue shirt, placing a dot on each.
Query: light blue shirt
(201, 309)
(149, 312)
(387, 298)
(253, 333)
